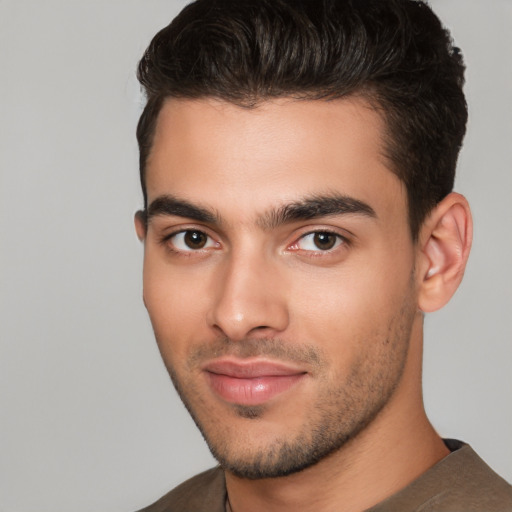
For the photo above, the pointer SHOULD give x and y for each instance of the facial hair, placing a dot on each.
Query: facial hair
(345, 407)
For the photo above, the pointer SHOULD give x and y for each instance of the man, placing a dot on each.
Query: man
(297, 163)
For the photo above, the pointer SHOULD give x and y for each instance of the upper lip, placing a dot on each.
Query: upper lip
(251, 368)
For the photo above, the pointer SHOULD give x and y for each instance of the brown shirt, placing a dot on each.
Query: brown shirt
(461, 482)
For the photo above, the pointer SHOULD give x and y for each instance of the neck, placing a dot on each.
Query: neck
(394, 450)
(357, 477)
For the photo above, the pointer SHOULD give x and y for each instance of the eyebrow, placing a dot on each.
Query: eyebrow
(315, 207)
(305, 209)
(170, 205)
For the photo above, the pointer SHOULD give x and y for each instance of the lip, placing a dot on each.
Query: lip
(250, 382)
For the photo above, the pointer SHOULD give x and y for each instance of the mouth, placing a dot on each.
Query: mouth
(250, 382)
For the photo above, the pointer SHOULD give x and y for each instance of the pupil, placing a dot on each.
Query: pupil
(195, 239)
(324, 241)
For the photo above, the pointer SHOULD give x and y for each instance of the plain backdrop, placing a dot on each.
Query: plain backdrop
(89, 421)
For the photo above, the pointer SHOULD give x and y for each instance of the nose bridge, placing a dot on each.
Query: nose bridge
(247, 296)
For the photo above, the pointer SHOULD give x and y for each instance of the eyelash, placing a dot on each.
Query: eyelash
(171, 247)
(340, 241)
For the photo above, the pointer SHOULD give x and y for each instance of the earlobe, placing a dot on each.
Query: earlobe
(445, 242)
(140, 225)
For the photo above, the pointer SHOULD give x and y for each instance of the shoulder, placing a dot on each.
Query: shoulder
(461, 481)
(470, 480)
(205, 492)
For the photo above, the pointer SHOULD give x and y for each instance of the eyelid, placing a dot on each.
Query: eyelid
(341, 240)
(166, 240)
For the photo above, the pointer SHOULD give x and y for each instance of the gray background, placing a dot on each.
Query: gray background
(89, 421)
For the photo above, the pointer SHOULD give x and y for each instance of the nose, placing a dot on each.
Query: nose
(249, 299)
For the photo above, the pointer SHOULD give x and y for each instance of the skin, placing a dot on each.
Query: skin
(348, 318)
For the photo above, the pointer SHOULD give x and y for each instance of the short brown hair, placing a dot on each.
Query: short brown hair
(395, 53)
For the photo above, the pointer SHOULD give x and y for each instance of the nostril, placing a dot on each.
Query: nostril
(263, 329)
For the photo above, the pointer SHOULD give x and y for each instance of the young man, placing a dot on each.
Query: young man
(297, 162)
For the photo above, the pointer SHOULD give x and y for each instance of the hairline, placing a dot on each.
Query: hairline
(366, 92)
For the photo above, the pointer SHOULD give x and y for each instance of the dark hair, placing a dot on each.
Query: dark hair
(394, 53)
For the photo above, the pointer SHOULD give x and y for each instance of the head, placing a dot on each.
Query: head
(394, 54)
(297, 159)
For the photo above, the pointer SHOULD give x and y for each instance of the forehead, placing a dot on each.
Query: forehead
(243, 161)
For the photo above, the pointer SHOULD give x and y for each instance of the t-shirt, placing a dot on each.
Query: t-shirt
(461, 482)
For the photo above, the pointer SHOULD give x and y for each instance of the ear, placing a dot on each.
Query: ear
(140, 225)
(445, 240)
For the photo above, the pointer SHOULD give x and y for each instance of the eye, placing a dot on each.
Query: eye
(319, 241)
(191, 240)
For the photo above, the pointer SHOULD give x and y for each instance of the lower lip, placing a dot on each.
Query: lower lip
(251, 391)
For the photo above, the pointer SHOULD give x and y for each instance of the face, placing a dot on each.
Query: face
(278, 275)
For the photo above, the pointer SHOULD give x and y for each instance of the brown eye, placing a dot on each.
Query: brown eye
(319, 241)
(191, 240)
(325, 241)
(195, 239)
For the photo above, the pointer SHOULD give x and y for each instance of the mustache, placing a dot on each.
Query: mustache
(272, 348)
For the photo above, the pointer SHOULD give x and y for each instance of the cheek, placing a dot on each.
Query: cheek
(175, 305)
(347, 309)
